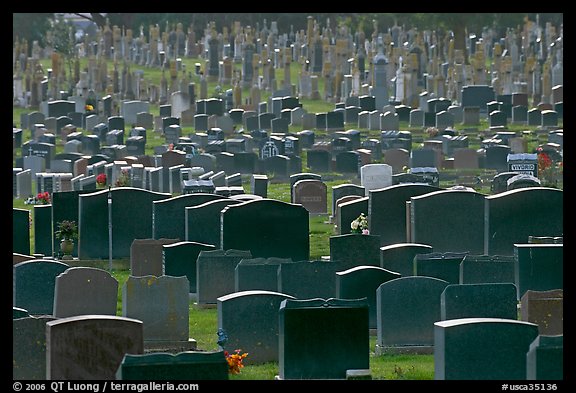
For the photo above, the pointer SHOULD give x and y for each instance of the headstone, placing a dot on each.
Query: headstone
(21, 231)
(482, 349)
(477, 269)
(348, 211)
(400, 257)
(202, 221)
(362, 282)
(188, 365)
(180, 259)
(257, 335)
(375, 176)
(313, 353)
(407, 307)
(146, 256)
(29, 347)
(545, 360)
(309, 279)
(90, 347)
(544, 308)
(312, 195)
(84, 291)
(538, 267)
(319, 160)
(267, 228)
(355, 249)
(216, 274)
(258, 274)
(162, 304)
(33, 285)
(479, 301)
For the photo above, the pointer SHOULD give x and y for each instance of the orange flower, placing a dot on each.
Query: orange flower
(235, 361)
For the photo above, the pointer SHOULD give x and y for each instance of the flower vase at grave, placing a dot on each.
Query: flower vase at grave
(67, 246)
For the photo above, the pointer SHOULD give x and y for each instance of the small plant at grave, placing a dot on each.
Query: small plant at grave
(549, 172)
(42, 198)
(235, 360)
(401, 373)
(67, 230)
(124, 179)
(360, 225)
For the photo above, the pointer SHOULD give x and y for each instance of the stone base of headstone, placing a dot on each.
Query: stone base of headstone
(358, 374)
(170, 346)
(405, 350)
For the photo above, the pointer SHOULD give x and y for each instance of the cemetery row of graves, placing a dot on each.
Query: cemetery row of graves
(379, 239)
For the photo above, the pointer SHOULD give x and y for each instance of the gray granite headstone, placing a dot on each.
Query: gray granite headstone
(482, 349)
(250, 321)
(162, 304)
(340, 326)
(146, 256)
(83, 291)
(90, 347)
(180, 259)
(545, 358)
(267, 228)
(29, 348)
(189, 365)
(33, 285)
(362, 282)
(407, 308)
(215, 274)
(479, 301)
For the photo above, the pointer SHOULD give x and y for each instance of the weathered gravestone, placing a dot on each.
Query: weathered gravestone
(84, 291)
(545, 358)
(189, 365)
(202, 221)
(512, 216)
(479, 301)
(312, 195)
(406, 310)
(180, 259)
(258, 274)
(267, 228)
(162, 304)
(126, 204)
(477, 269)
(375, 176)
(538, 267)
(387, 211)
(33, 285)
(448, 220)
(309, 279)
(169, 220)
(340, 326)
(400, 257)
(362, 282)
(215, 274)
(482, 348)
(544, 308)
(355, 249)
(29, 347)
(250, 321)
(90, 347)
(146, 256)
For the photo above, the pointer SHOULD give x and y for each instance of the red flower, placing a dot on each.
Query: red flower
(101, 179)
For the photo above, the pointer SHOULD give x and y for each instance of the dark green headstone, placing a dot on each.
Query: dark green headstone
(189, 366)
(267, 228)
(387, 210)
(538, 267)
(355, 249)
(202, 222)
(448, 220)
(29, 348)
(33, 285)
(43, 230)
(362, 282)
(322, 339)
(169, 214)
(476, 269)
(250, 321)
(180, 259)
(400, 257)
(445, 266)
(21, 231)
(309, 279)
(342, 190)
(258, 273)
(407, 308)
(348, 212)
(65, 207)
(545, 358)
(18, 312)
(512, 216)
(479, 301)
(131, 219)
(482, 349)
